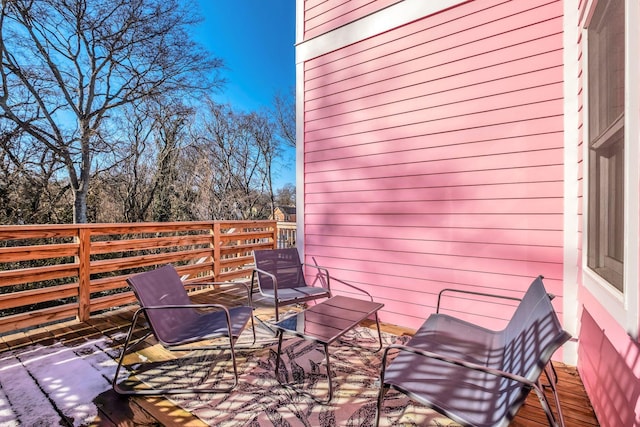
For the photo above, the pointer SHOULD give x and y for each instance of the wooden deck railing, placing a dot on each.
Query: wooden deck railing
(50, 273)
(287, 234)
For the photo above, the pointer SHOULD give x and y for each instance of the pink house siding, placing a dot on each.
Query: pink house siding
(321, 16)
(433, 156)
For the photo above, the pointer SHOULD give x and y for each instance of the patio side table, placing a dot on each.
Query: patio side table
(325, 322)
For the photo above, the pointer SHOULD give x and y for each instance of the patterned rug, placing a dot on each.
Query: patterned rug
(260, 400)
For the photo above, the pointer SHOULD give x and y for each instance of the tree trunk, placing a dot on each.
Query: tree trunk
(80, 205)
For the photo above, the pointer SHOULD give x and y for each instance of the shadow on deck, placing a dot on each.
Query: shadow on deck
(114, 410)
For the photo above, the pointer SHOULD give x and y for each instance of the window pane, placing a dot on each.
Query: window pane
(606, 66)
(606, 141)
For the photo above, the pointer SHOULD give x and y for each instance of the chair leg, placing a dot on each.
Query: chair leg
(153, 392)
(380, 402)
(544, 402)
(552, 377)
(114, 383)
(280, 336)
(253, 330)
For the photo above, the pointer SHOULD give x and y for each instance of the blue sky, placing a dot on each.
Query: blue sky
(255, 38)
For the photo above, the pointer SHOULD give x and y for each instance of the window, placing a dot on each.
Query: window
(611, 90)
(606, 93)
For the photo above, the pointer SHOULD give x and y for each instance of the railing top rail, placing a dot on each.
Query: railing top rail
(133, 224)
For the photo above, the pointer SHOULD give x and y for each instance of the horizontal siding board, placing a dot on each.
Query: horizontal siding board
(396, 289)
(452, 248)
(412, 135)
(520, 237)
(420, 148)
(407, 207)
(488, 156)
(537, 190)
(476, 221)
(372, 171)
(311, 4)
(425, 180)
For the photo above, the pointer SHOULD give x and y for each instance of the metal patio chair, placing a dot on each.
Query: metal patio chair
(477, 376)
(280, 278)
(176, 323)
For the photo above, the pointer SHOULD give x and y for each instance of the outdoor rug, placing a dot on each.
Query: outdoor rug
(260, 400)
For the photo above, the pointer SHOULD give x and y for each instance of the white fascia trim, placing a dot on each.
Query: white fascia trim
(384, 20)
(571, 137)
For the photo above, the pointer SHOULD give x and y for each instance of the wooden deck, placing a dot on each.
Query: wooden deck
(115, 410)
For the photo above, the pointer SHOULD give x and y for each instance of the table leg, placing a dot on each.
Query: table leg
(326, 352)
(379, 334)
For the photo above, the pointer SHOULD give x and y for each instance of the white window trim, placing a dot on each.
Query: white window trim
(570, 319)
(621, 306)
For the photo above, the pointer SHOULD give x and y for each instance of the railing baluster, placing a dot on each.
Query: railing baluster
(84, 273)
(217, 246)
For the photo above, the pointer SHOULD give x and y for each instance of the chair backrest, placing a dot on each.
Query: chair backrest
(158, 288)
(284, 264)
(533, 334)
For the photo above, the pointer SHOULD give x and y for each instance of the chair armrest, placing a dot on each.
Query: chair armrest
(354, 287)
(499, 296)
(340, 281)
(272, 276)
(173, 306)
(322, 270)
(460, 291)
(453, 361)
(230, 284)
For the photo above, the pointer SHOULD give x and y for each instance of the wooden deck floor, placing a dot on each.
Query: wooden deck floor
(115, 410)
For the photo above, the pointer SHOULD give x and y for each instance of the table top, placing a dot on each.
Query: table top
(329, 320)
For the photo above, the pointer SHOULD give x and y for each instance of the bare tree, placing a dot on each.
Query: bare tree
(169, 201)
(232, 163)
(68, 66)
(262, 132)
(284, 113)
(29, 191)
(286, 196)
(148, 183)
